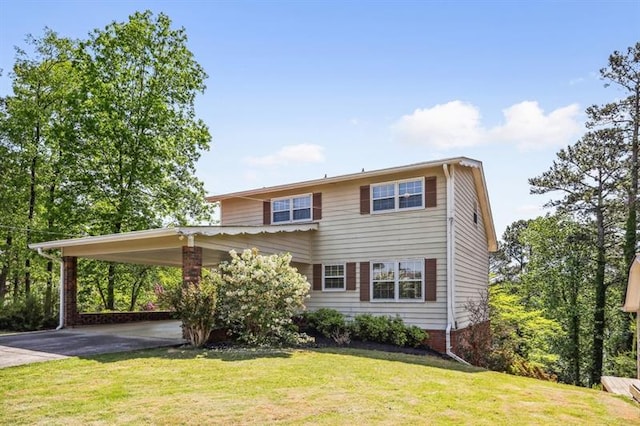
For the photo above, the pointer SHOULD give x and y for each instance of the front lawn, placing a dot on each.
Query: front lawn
(324, 386)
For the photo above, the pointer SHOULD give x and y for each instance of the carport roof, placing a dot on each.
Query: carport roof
(164, 246)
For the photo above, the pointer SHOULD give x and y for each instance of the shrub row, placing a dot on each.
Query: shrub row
(366, 327)
(24, 315)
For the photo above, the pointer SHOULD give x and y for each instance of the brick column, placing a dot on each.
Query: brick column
(70, 289)
(191, 264)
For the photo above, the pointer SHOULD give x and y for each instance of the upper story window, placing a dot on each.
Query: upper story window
(293, 209)
(398, 195)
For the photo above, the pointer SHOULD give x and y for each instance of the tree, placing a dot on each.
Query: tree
(559, 281)
(509, 262)
(35, 132)
(139, 139)
(624, 72)
(588, 174)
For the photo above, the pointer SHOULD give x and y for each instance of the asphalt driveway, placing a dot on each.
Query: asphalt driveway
(39, 346)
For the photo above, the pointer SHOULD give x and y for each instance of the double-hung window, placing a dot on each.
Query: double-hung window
(400, 195)
(293, 209)
(397, 281)
(334, 277)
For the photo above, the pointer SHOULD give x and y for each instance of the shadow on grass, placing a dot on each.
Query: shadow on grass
(186, 352)
(426, 360)
(234, 354)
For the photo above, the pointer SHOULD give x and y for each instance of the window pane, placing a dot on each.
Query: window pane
(410, 194)
(281, 216)
(410, 270)
(301, 202)
(383, 290)
(384, 204)
(410, 289)
(280, 205)
(302, 214)
(383, 271)
(334, 282)
(410, 188)
(383, 191)
(334, 270)
(406, 201)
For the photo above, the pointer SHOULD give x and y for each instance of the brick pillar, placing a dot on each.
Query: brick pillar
(191, 264)
(70, 286)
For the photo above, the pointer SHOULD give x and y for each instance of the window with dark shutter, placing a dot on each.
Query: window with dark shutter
(351, 276)
(430, 279)
(266, 213)
(365, 206)
(317, 277)
(430, 192)
(364, 282)
(317, 206)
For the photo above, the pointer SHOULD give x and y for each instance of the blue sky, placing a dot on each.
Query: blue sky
(297, 90)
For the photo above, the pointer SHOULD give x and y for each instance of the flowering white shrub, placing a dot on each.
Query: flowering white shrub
(258, 296)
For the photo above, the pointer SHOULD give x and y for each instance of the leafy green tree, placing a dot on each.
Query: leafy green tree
(35, 128)
(588, 174)
(139, 136)
(559, 281)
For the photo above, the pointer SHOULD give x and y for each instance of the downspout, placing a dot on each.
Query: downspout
(61, 286)
(450, 270)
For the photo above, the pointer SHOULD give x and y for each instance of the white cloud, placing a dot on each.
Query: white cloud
(528, 126)
(458, 124)
(290, 154)
(451, 125)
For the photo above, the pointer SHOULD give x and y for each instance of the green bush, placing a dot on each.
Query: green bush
(383, 329)
(22, 315)
(327, 322)
(195, 305)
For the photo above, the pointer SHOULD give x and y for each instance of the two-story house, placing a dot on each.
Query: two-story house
(412, 241)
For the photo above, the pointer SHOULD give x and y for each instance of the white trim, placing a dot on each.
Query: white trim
(397, 195)
(344, 277)
(186, 231)
(396, 281)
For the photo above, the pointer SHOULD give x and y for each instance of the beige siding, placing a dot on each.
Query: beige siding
(239, 211)
(296, 243)
(345, 235)
(471, 259)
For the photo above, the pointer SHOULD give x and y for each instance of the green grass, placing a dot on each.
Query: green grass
(329, 386)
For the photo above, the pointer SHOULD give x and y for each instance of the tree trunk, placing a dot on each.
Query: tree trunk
(32, 207)
(600, 290)
(4, 272)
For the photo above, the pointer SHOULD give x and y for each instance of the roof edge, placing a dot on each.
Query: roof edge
(352, 176)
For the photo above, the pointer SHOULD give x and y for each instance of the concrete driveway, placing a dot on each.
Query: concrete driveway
(39, 346)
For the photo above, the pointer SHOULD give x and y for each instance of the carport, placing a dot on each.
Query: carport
(188, 247)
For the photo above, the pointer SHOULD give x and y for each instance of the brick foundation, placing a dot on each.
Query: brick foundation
(94, 318)
(438, 340)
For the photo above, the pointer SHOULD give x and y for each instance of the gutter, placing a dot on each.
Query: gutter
(60, 287)
(450, 270)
